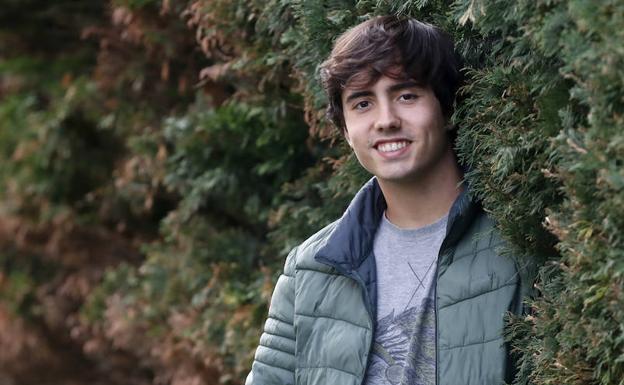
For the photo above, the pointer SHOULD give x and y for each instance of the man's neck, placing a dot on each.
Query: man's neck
(423, 201)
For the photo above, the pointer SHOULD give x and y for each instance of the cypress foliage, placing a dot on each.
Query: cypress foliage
(188, 138)
(543, 131)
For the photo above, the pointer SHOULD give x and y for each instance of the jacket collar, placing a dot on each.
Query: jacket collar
(351, 242)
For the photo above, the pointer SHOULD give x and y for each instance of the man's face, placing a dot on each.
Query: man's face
(396, 129)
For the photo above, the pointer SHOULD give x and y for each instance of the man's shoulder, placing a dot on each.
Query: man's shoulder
(484, 243)
(489, 236)
(302, 256)
(482, 234)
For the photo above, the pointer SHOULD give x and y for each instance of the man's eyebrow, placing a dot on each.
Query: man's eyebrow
(358, 94)
(404, 85)
(393, 88)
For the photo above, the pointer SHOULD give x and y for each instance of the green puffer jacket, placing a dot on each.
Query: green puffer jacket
(322, 314)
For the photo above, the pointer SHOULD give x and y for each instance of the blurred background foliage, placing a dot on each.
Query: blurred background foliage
(159, 158)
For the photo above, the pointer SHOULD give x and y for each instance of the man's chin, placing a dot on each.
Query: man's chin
(399, 179)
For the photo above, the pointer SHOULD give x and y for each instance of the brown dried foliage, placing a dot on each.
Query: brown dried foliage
(46, 346)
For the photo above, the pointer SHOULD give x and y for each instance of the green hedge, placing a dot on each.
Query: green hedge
(192, 132)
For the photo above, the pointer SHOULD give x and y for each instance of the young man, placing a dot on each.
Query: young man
(407, 287)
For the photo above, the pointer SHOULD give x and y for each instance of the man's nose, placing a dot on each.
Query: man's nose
(387, 118)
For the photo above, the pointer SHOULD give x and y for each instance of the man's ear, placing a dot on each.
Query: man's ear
(448, 125)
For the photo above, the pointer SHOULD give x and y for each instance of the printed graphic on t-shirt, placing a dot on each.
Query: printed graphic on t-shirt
(404, 348)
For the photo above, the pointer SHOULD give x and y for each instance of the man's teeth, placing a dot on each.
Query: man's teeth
(392, 146)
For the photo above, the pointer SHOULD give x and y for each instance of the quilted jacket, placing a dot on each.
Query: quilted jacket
(322, 313)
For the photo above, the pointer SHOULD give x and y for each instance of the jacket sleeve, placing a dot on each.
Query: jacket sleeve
(274, 361)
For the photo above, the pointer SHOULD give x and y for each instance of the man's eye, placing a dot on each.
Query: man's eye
(408, 97)
(361, 105)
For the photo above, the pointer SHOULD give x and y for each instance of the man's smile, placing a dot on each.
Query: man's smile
(391, 146)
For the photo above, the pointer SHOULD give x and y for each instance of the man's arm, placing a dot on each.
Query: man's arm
(274, 362)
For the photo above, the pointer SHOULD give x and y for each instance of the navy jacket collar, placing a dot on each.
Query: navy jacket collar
(351, 242)
(349, 248)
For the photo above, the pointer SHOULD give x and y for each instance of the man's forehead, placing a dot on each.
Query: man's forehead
(369, 75)
(392, 83)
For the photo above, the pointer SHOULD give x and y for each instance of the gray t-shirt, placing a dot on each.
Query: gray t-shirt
(404, 345)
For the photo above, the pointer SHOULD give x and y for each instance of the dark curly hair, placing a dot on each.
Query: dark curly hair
(395, 47)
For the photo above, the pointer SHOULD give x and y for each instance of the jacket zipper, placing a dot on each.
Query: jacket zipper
(372, 323)
(443, 248)
(435, 306)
